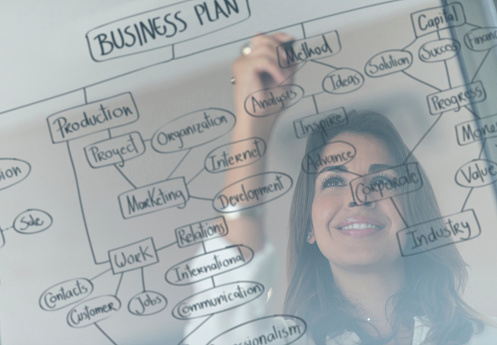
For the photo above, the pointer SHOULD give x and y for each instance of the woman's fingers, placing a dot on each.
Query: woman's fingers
(262, 61)
(265, 46)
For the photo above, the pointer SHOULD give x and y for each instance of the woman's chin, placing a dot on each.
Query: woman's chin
(364, 258)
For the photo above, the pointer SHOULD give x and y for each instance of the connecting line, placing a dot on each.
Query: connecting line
(410, 44)
(119, 284)
(125, 177)
(398, 211)
(482, 148)
(465, 201)
(315, 104)
(203, 246)
(81, 203)
(471, 111)
(143, 279)
(181, 161)
(101, 274)
(422, 138)
(314, 94)
(167, 246)
(211, 47)
(473, 25)
(84, 93)
(182, 341)
(303, 30)
(421, 81)
(194, 177)
(323, 136)
(106, 335)
(448, 74)
(110, 133)
(200, 198)
(173, 52)
(323, 132)
(294, 72)
(481, 64)
(324, 64)
(6, 229)
(213, 282)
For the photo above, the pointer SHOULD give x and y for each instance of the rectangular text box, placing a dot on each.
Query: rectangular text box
(438, 232)
(456, 98)
(115, 150)
(93, 117)
(437, 18)
(386, 183)
(470, 131)
(154, 197)
(133, 256)
(201, 231)
(315, 47)
(163, 27)
(319, 122)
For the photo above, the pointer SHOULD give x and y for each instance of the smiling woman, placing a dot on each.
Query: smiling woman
(338, 222)
(347, 274)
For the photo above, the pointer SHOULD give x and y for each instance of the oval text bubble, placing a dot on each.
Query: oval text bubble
(192, 130)
(477, 173)
(252, 191)
(439, 50)
(235, 155)
(338, 153)
(93, 310)
(481, 39)
(388, 62)
(147, 303)
(343, 80)
(273, 100)
(66, 293)
(217, 299)
(209, 265)
(32, 221)
(13, 171)
(277, 329)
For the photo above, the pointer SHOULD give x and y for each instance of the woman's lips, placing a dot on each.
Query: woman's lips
(360, 226)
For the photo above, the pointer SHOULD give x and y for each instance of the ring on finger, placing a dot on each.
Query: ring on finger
(247, 48)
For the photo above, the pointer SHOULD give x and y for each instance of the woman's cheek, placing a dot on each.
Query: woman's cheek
(324, 209)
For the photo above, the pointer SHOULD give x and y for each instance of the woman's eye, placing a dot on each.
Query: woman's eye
(382, 179)
(333, 181)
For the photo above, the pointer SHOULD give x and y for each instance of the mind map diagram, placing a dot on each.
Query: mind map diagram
(88, 133)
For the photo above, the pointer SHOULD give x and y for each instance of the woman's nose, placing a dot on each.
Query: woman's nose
(366, 204)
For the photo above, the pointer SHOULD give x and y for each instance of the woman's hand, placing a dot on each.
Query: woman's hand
(257, 71)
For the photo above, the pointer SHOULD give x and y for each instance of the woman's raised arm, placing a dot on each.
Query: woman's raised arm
(255, 70)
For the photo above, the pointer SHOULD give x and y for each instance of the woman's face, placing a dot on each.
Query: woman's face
(350, 235)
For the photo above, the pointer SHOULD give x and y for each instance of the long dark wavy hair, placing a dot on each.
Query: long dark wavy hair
(434, 279)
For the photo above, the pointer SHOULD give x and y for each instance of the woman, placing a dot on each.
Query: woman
(371, 289)
(347, 277)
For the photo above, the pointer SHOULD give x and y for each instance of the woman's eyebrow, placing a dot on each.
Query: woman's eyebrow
(334, 168)
(372, 168)
(379, 167)
(341, 168)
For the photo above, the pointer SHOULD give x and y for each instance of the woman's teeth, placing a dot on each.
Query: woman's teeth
(360, 226)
